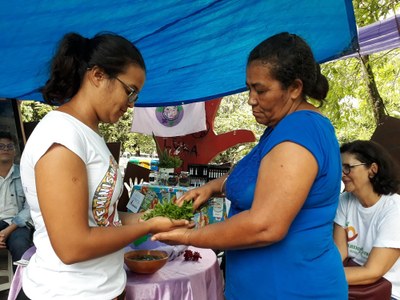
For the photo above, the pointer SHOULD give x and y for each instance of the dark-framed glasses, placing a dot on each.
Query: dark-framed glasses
(7, 147)
(346, 168)
(133, 94)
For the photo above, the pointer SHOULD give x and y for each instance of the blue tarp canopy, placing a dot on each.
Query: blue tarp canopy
(194, 50)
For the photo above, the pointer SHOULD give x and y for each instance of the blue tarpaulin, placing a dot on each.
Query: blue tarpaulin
(194, 50)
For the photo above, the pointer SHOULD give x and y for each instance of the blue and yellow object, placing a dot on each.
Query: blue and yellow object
(145, 162)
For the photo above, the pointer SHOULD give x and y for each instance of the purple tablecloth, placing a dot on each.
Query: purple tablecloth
(178, 279)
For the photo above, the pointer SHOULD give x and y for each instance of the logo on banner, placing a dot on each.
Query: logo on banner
(169, 116)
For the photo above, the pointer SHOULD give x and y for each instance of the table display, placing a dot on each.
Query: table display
(146, 196)
(178, 279)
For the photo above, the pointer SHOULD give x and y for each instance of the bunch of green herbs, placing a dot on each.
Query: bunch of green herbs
(170, 210)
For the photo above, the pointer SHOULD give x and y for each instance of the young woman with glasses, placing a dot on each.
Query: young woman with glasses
(367, 223)
(71, 180)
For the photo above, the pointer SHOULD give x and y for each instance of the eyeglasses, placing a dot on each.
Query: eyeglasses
(133, 94)
(346, 168)
(7, 147)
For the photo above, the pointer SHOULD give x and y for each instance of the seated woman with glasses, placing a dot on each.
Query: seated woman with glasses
(367, 223)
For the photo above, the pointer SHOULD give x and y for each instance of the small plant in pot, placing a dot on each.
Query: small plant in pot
(168, 161)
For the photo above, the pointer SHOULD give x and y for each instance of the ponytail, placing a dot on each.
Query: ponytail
(67, 69)
(319, 89)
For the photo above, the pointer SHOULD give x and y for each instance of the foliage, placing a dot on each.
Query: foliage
(370, 11)
(348, 104)
(170, 210)
(120, 132)
(167, 159)
(234, 113)
(34, 111)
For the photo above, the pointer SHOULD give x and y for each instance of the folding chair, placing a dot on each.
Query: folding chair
(8, 272)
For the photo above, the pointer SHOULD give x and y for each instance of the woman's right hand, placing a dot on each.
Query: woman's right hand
(200, 195)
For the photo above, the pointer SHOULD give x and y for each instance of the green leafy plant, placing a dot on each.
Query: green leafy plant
(172, 211)
(166, 158)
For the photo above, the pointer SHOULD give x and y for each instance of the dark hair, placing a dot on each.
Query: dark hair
(8, 135)
(386, 180)
(290, 58)
(75, 54)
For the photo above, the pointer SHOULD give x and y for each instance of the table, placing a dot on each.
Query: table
(178, 280)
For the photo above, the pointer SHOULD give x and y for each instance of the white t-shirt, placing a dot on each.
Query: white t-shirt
(46, 277)
(368, 227)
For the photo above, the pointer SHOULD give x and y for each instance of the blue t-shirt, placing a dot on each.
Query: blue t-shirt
(306, 263)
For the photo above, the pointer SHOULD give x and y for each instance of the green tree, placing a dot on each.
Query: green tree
(34, 111)
(134, 143)
(234, 113)
(350, 106)
(370, 11)
(367, 12)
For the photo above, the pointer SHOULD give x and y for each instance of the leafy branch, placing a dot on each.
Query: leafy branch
(172, 211)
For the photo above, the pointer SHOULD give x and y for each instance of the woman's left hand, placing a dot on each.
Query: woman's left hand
(180, 236)
(162, 224)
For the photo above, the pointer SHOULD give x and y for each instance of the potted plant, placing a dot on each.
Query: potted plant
(168, 161)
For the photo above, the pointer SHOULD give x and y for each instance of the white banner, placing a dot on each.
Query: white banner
(169, 121)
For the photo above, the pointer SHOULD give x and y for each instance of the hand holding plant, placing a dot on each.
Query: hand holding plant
(172, 211)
